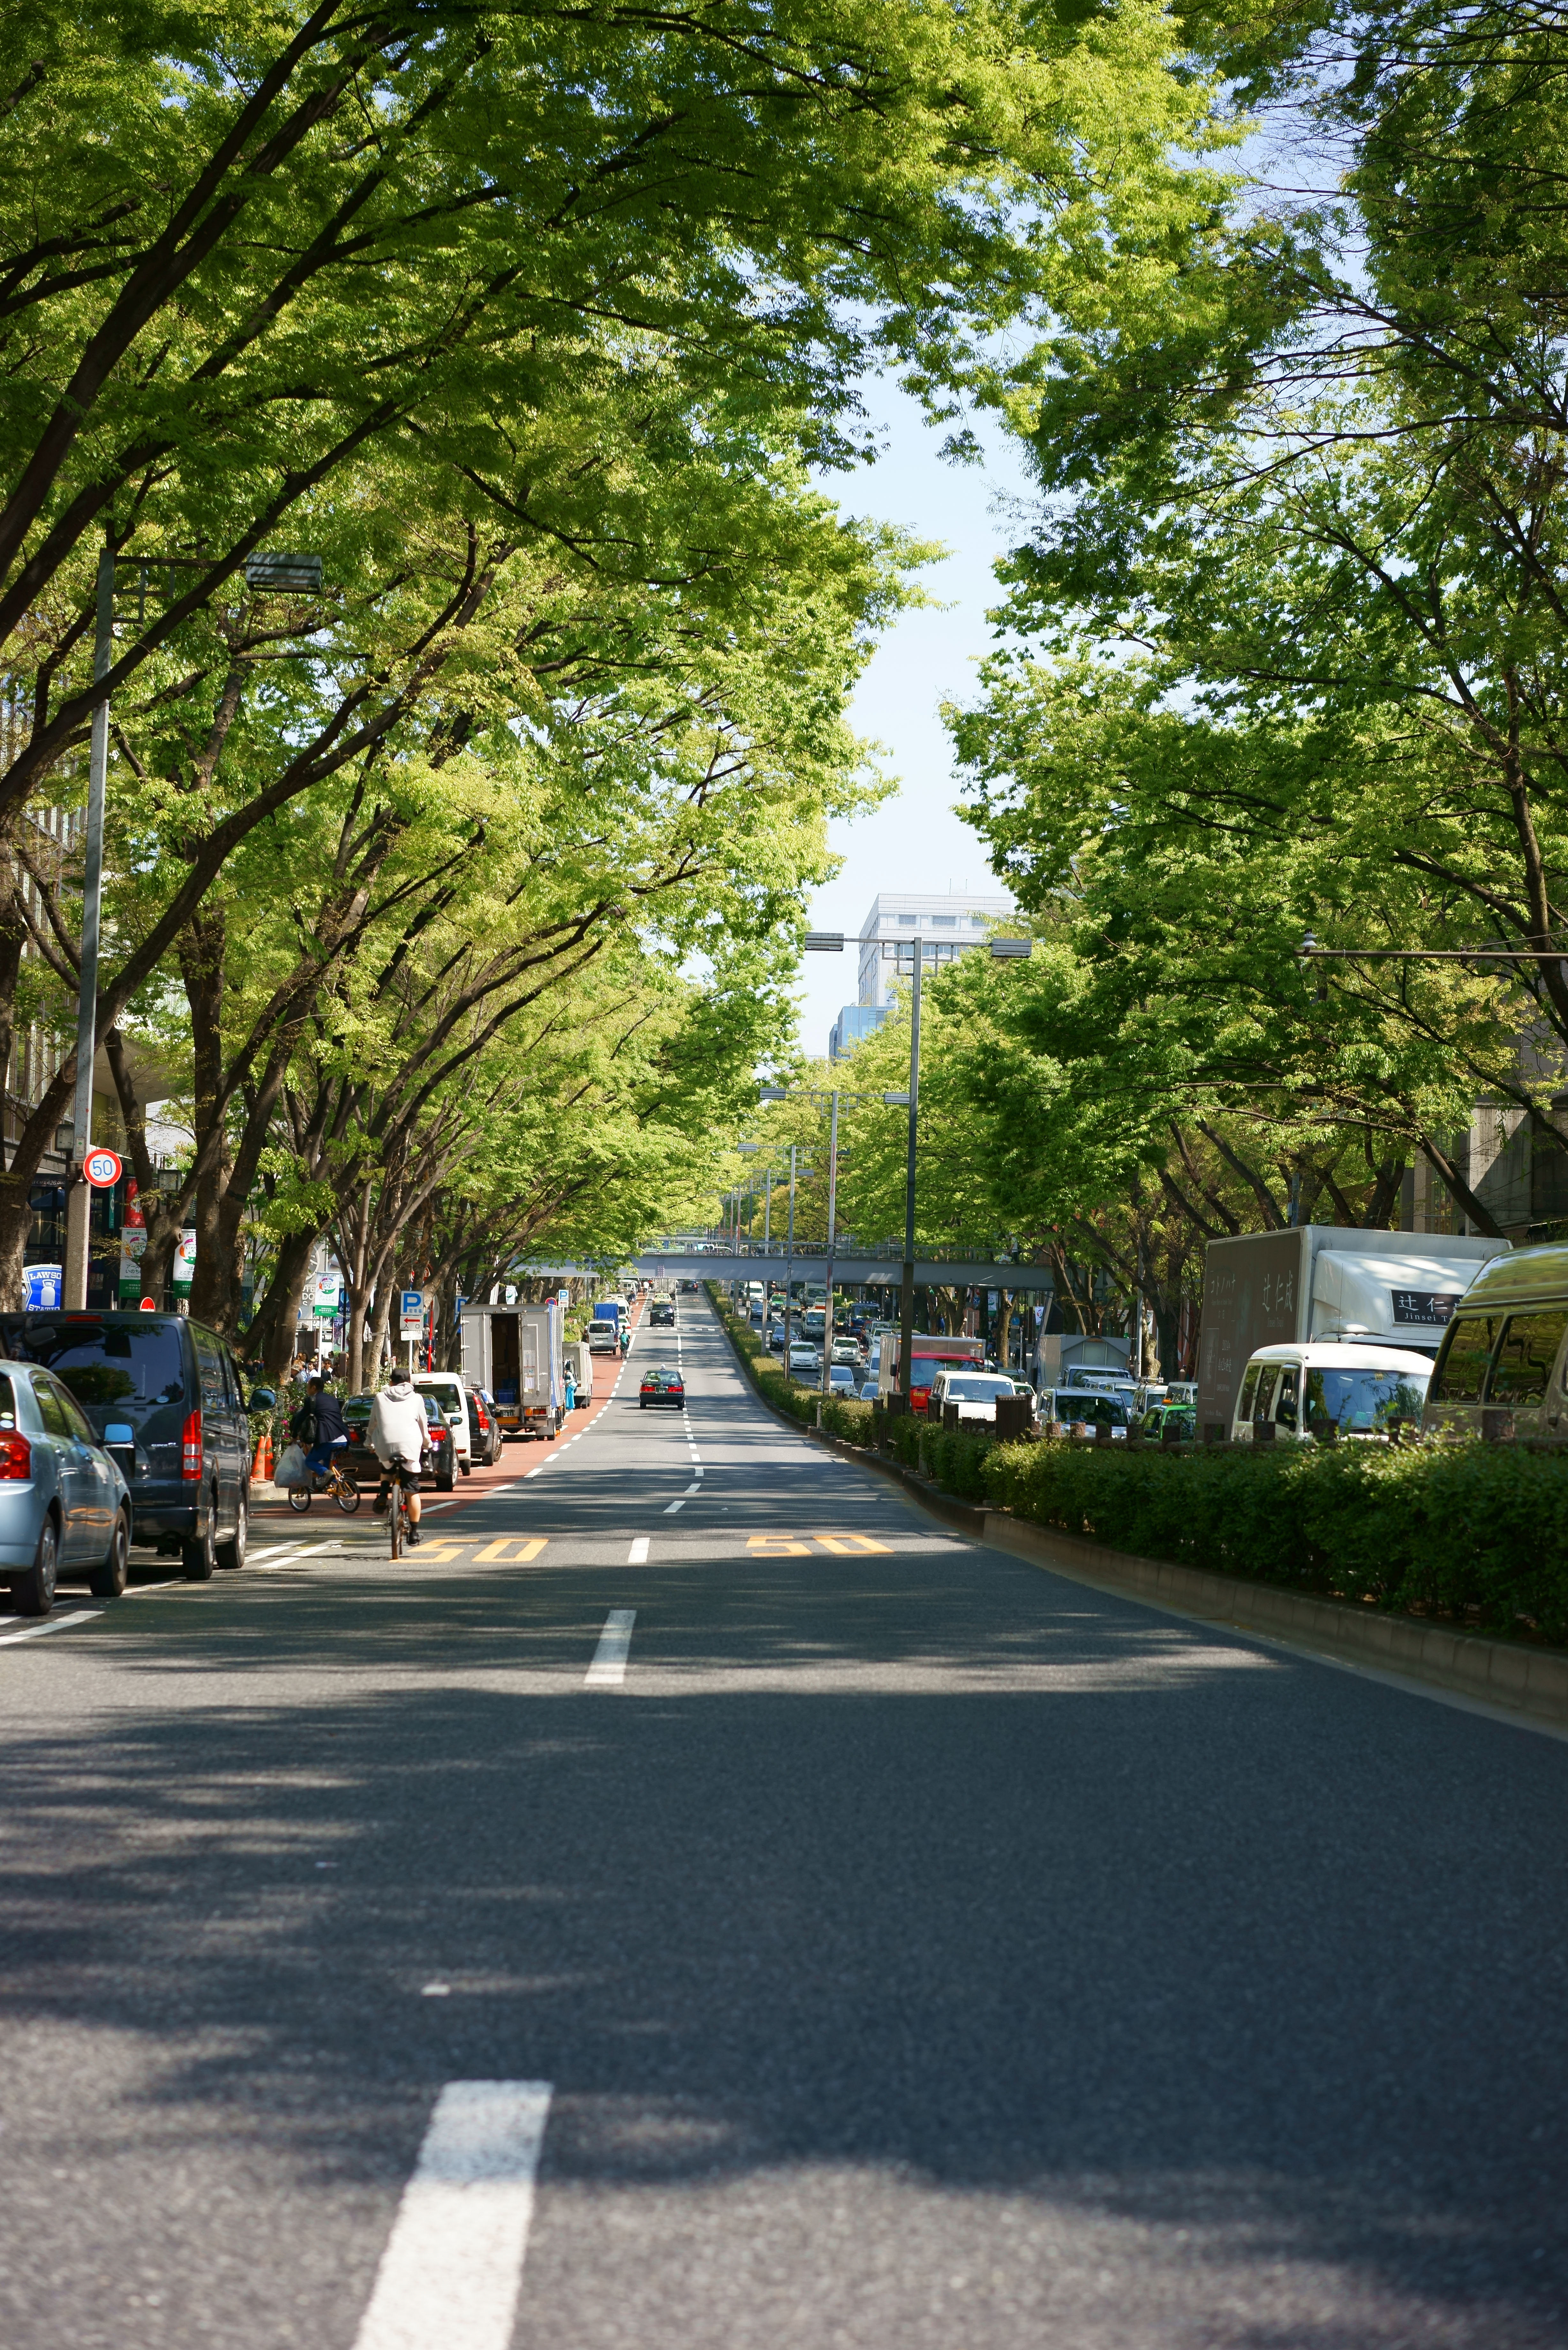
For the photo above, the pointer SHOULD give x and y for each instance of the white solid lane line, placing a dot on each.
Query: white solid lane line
(450, 2276)
(609, 1667)
(637, 1554)
(53, 1624)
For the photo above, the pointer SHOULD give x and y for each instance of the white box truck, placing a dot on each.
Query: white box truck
(576, 1356)
(514, 1351)
(1330, 1281)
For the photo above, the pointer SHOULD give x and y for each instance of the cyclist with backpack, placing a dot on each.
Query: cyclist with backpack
(399, 1434)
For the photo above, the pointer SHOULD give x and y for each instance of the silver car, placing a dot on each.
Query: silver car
(65, 1508)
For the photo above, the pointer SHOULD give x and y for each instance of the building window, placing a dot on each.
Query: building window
(944, 921)
(909, 921)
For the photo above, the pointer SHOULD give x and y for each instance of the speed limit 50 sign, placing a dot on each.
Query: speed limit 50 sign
(102, 1168)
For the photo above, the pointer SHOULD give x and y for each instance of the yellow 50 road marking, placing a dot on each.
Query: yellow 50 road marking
(799, 1545)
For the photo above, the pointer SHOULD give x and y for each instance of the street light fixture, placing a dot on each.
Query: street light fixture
(917, 949)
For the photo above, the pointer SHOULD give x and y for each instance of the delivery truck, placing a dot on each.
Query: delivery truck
(1332, 1282)
(515, 1352)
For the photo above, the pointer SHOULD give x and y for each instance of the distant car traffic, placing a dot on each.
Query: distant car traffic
(1170, 1423)
(841, 1381)
(804, 1359)
(661, 1385)
(1071, 1408)
(662, 1313)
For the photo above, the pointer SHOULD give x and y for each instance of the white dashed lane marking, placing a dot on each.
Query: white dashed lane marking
(607, 1669)
(452, 2269)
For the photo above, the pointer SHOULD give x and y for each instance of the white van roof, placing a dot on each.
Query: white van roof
(1326, 1355)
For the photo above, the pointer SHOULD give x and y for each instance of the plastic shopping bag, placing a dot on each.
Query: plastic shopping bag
(291, 1469)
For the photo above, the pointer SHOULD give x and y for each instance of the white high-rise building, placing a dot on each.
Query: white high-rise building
(944, 924)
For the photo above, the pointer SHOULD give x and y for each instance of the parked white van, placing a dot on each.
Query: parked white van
(450, 1392)
(1301, 1390)
(1503, 1367)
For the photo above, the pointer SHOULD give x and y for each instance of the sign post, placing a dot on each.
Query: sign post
(412, 1320)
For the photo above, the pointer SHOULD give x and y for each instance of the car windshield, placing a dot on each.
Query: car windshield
(115, 1371)
(1364, 1400)
(977, 1390)
(1095, 1411)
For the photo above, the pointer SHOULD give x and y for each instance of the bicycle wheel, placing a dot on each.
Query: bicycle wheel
(345, 1493)
(396, 1506)
(299, 1498)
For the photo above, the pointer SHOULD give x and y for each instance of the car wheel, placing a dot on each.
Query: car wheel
(468, 1468)
(444, 1484)
(199, 1556)
(35, 1591)
(231, 1553)
(108, 1579)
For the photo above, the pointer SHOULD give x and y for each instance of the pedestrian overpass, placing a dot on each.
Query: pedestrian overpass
(853, 1268)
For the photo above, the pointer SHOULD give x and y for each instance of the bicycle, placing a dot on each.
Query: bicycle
(397, 1516)
(338, 1483)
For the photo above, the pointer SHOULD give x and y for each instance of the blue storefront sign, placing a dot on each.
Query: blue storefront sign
(43, 1288)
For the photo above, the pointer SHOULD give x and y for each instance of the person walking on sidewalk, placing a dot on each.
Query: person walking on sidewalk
(400, 1435)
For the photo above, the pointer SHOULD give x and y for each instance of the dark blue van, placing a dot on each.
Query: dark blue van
(163, 1394)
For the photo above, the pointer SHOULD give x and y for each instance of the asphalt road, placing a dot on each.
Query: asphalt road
(919, 1949)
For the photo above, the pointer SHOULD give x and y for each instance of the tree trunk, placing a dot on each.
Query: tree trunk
(271, 1335)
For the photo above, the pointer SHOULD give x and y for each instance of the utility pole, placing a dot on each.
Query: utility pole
(78, 1192)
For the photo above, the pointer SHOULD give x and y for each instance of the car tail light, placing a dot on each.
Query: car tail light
(15, 1455)
(190, 1446)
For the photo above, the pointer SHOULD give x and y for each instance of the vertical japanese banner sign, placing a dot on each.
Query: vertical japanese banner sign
(185, 1262)
(133, 1243)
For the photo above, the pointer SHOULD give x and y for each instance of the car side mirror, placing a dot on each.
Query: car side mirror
(262, 1399)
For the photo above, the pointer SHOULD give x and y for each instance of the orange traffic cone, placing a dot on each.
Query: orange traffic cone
(261, 1467)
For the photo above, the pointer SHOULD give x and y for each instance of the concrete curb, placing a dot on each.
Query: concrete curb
(1532, 1683)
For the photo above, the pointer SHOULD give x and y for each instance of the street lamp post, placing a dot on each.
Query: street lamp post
(1003, 950)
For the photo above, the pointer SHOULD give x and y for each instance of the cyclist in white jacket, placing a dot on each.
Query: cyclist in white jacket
(400, 1435)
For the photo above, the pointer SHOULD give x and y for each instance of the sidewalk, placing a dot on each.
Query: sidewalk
(268, 1506)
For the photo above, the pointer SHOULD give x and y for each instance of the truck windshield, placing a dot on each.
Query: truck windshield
(1364, 1400)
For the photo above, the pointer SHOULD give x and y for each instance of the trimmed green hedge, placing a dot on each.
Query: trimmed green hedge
(1476, 1531)
(851, 1420)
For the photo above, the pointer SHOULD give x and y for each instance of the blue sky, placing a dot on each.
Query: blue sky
(914, 842)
